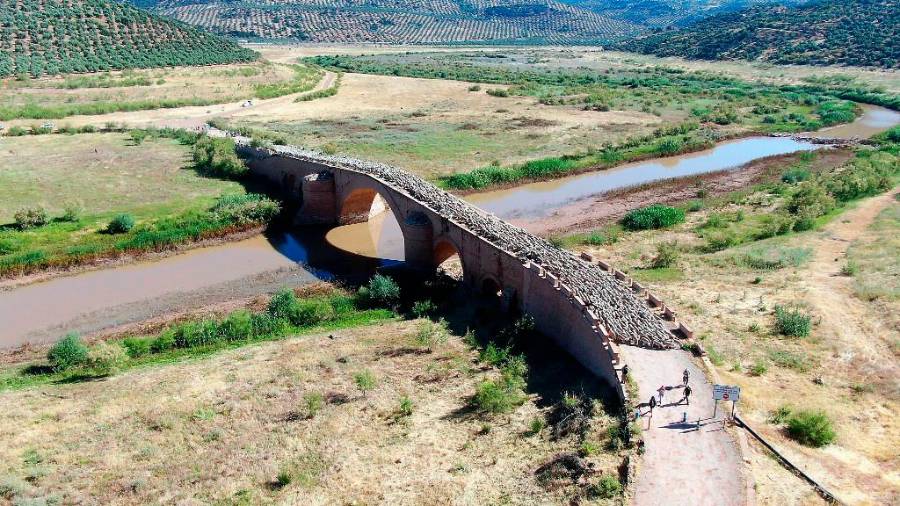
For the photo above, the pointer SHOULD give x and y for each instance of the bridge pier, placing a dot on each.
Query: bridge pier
(319, 200)
(418, 241)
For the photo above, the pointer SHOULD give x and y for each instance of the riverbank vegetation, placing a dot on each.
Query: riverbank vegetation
(154, 198)
(766, 280)
(72, 360)
(695, 108)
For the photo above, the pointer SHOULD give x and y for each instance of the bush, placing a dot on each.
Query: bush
(31, 217)
(217, 158)
(120, 224)
(106, 358)
(666, 255)
(164, 342)
(137, 346)
(431, 334)
(67, 353)
(795, 175)
(381, 291)
(423, 308)
(655, 216)
(498, 92)
(810, 201)
(245, 209)
(810, 428)
(497, 397)
(759, 368)
(792, 322)
(406, 407)
(311, 312)
(775, 257)
(314, 401)
(282, 305)
(71, 213)
(607, 487)
(237, 326)
(365, 381)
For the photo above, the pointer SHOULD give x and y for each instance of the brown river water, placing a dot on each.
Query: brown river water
(92, 301)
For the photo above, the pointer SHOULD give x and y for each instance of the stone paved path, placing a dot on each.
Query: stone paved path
(683, 464)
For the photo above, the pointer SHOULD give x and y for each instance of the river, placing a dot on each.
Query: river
(94, 300)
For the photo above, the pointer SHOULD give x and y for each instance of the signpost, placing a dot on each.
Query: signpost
(726, 393)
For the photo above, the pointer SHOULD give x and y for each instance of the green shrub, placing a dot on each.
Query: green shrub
(9, 245)
(120, 224)
(283, 304)
(381, 291)
(431, 334)
(71, 213)
(137, 346)
(780, 415)
(31, 217)
(164, 342)
(365, 381)
(498, 92)
(67, 353)
(423, 308)
(313, 401)
(535, 426)
(244, 209)
(406, 407)
(774, 257)
(759, 368)
(655, 216)
(497, 397)
(216, 157)
(811, 428)
(795, 175)
(666, 255)
(237, 326)
(810, 201)
(721, 239)
(792, 322)
(607, 487)
(106, 358)
(311, 312)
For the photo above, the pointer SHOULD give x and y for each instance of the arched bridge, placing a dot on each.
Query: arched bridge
(585, 306)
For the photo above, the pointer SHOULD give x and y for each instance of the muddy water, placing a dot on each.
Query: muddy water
(873, 121)
(95, 300)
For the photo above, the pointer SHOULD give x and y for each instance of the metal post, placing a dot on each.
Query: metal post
(715, 409)
(732, 409)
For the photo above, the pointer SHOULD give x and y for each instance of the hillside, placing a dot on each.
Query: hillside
(61, 36)
(399, 21)
(661, 13)
(833, 32)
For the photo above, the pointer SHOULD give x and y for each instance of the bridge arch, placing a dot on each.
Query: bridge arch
(447, 256)
(360, 205)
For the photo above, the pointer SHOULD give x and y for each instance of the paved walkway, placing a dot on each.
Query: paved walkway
(683, 464)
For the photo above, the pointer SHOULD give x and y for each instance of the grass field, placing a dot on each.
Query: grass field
(838, 278)
(59, 97)
(95, 177)
(287, 421)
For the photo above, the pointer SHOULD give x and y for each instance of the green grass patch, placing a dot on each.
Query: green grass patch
(658, 275)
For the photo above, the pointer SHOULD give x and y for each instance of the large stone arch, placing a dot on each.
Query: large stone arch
(360, 205)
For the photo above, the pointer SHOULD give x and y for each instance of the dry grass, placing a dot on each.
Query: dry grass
(848, 367)
(225, 429)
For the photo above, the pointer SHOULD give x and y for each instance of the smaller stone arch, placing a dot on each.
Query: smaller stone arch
(490, 287)
(448, 257)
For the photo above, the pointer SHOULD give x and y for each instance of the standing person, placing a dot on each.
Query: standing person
(661, 391)
(625, 373)
(652, 404)
(685, 377)
(687, 395)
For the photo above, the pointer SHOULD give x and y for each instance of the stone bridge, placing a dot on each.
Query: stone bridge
(585, 306)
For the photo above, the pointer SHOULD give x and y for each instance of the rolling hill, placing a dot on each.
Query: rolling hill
(662, 13)
(61, 36)
(399, 21)
(830, 32)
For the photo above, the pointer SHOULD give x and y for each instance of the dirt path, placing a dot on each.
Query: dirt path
(684, 462)
(846, 319)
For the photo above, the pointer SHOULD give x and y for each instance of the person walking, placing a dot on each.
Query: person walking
(661, 391)
(652, 404)
(685, 377)
(687, 395)
(625, 373)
